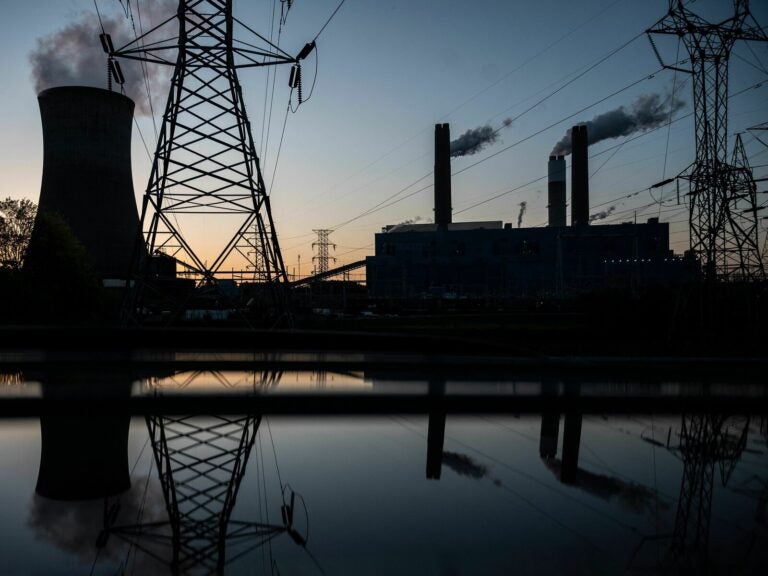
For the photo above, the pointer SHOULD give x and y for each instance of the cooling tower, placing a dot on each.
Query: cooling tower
(442, 175)
(556, 192)
(84, 450)
(87, 172)
(579, 176)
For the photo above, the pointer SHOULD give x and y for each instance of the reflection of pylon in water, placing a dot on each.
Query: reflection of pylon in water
(706, 440)
(201, 461)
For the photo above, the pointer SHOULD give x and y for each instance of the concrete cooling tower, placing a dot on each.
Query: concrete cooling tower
(87, 172)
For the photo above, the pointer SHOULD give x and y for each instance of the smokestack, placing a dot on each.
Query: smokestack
(579, 177)
(442, 175)
(87, 172)
(556, 193)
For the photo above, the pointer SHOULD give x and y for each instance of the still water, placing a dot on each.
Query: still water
(102, 492)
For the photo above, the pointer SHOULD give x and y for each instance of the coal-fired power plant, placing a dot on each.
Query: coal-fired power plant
(442, 186)
(491, 259)
(556, 191)
(87, 172)
(579, 176)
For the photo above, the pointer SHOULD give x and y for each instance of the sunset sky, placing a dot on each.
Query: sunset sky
(388, 71)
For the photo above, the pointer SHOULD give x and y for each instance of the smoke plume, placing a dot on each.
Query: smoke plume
(523, 207)
(73, 55)
(464, 465)
(476, 139)
(647, 112)
(414, 220)
(73, 526)
(602, 215)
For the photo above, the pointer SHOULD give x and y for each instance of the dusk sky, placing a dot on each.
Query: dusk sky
(388, 71)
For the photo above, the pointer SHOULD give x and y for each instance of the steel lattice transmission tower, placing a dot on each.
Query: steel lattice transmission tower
(723, 225)
(323, 245)
(206, 194)
(706, 440)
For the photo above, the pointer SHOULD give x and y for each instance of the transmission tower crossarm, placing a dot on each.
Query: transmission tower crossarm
(146, 49)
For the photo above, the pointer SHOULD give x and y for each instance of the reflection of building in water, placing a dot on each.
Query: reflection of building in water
(706, 442)
(436, 429)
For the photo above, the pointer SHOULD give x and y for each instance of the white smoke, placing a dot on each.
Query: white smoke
(648, 111)
(73, 56)
(476, 139)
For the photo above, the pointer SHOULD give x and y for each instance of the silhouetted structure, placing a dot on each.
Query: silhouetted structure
(443, 209)
(87, 172)
(323, 246)
(723, 214)
(206, 162)
(493, 259)
(579, 176)
(556, 191)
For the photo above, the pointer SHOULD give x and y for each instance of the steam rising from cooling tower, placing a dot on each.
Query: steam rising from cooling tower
(476, 139)
(647, 112)
(73, 55)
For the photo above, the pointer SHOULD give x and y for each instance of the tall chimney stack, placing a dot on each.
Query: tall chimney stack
(556, 195)
(579, 176)
(442, 175)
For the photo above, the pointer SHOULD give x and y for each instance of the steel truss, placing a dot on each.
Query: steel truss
(706, 440)
(323, 254)
(201, 461)
(205, 163)
(723, 218)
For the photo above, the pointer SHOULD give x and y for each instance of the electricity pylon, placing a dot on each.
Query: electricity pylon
(323, 245)
(723, 228)
(206, 193)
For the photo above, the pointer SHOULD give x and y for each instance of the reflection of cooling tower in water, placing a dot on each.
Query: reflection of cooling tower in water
(84, 453)
(87, 172)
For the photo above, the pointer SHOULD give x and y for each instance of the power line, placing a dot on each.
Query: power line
(476, 95)
(383, 204)
(329, 20)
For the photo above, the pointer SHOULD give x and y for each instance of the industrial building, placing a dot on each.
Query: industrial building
(495, 260)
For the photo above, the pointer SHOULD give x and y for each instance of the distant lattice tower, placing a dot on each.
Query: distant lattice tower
(723, 223)
(206, 193)
(323, 246)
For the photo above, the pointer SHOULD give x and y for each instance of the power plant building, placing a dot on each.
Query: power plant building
(493, 259)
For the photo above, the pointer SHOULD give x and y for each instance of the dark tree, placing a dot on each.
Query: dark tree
(61, 283)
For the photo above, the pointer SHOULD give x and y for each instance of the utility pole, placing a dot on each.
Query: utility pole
(323, 245)
(723, 221)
